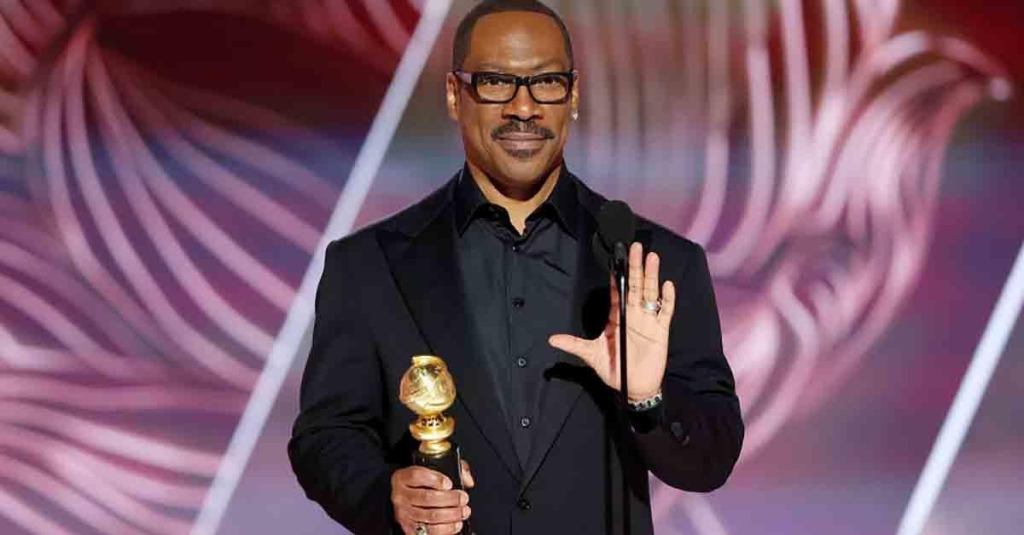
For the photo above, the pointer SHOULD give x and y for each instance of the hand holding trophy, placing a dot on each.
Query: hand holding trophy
(427, 389)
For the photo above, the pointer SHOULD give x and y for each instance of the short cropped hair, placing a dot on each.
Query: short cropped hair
(460, 46)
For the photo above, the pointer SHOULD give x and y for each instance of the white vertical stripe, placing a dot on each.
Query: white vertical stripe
(300, 315)
(703, 516)
(965, 404)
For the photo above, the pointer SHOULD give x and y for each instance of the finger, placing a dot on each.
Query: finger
(636, 274)
(436, 498)
(444, 529)
(651, 277)
(467, 476)
(574, 346)
(420, 477)
(668, 303)
(409, 528)
(444, 515)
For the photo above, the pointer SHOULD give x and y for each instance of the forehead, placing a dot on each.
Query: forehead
(516, 40)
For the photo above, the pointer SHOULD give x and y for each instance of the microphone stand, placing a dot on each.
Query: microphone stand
(620, 265)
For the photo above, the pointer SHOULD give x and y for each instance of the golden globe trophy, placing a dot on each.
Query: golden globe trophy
(427, 389)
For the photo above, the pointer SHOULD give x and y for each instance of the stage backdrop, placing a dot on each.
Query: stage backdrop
(170, 172)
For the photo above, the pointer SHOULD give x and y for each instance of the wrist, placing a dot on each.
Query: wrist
(638, 396)
(645, 401)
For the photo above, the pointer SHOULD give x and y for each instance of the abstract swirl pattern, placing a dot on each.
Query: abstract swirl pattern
(814, 197)
(167, 169)
(154, 223)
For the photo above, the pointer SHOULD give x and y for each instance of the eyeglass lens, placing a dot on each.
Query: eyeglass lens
(502, 88)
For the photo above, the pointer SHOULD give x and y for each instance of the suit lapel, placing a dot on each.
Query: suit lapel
(561, 391)
(427, 273)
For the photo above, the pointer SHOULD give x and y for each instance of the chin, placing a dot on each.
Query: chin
(523, 176)
(526, 169)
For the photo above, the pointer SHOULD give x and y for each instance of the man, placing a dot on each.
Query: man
(490, 272)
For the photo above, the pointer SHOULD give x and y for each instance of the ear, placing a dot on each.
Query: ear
(574, 102)
(452, 86)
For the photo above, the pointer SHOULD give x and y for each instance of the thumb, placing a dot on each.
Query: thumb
(467, 476)
(573, 345)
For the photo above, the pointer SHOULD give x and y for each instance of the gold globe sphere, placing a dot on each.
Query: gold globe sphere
(427, 389)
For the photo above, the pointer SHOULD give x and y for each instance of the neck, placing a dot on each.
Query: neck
(520, 202)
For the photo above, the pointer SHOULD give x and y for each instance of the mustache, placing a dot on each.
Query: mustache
(522, 127)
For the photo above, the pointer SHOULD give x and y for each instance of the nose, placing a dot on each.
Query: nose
(522, 106)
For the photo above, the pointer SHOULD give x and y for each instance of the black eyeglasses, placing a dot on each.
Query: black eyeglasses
(501, 88)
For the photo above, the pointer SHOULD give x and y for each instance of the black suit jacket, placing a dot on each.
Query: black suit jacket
(393, 290)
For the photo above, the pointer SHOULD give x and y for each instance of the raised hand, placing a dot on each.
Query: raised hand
(647, 336)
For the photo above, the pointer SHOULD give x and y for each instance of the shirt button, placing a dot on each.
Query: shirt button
(516, 248)
(524, 422)
(521, 362)
(523, 504)
(518, 302)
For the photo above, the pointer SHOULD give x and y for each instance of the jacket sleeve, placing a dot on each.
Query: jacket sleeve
(336, 449)
(693, 439)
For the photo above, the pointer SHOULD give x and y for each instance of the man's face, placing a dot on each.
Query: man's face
(518, 143)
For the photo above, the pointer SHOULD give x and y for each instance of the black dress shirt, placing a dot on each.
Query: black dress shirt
(519, 291)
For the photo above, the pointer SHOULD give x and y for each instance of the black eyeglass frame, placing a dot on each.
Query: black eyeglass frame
(520, 81)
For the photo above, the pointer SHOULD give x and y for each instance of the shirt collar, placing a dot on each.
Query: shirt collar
(562, 201)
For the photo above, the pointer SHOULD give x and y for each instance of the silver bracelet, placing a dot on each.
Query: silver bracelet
(646, 403)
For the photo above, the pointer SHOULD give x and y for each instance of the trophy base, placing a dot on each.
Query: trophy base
(448, 463)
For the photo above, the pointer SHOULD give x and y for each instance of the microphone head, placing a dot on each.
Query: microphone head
(615, 224)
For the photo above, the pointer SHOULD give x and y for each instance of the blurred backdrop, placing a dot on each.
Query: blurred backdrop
(171, 170)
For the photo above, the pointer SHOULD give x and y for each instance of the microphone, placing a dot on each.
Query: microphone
(616, 229)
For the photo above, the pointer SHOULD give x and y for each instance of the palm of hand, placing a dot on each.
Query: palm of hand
(647, 331)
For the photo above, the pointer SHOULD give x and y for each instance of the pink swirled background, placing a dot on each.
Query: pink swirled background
(168, 170)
